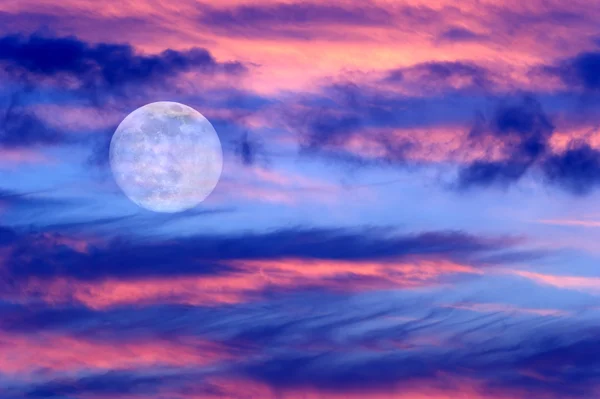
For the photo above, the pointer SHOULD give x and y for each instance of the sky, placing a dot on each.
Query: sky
(409, 203)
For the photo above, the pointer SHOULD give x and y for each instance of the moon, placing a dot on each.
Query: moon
(166, 157)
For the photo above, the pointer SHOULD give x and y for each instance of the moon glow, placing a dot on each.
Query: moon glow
(166, 157)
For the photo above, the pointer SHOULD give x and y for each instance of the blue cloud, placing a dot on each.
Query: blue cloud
(42, 255)
(104, 64)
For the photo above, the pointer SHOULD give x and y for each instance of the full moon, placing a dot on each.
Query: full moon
(166, 157)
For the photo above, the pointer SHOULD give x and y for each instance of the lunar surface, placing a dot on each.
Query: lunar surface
(166, 157)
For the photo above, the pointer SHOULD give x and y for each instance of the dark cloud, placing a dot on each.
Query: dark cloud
(20, 127)
(379, 374)
(577, 169)
(7, 235)
(551, 365)
(540, 355)
(581, 71)
(502, 352)
(349, 111)
(250, 149)
(116, 383)
(101, 65)
(445, 70)
(109, 383)
(488, 173)
(412, 371)
(92, 73)
(246, 151)
(394, 76)
(44, 255)
(439, 75)
(524, 127)
(514, 138)
(458, 34)
(32, 317)
(344, 112)
(522, 131)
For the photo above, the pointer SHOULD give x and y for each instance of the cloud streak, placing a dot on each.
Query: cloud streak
(57, 268)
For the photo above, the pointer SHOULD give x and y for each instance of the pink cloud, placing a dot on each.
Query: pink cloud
(247, 282)
(13, 157)
(578, 283)
(412, 36)
(22, 354)
(570, 222)
(453, 387)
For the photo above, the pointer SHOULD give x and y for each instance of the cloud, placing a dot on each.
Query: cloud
(441, 73)
(7, 235)
(580, 72)
(44, 254)
(522, 130)
(577, 169)
(14, 201)
(250, 281)
(64, 353)
(102, 65)
(250, 149)
(440, 76)
(345, 112)
(362, 120)
(367, 124)
(35, 65)
(458, 355)
(296, 13)
(327, 344)
(518, 137)
(293, 20)
(20, 127)
(108, 383)
(210, 269)
(459, 34)
(581, 283)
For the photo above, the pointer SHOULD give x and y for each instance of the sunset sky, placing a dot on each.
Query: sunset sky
(409, 206)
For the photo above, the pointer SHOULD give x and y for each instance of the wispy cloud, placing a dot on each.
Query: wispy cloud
(570, 222)
(580, 283)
